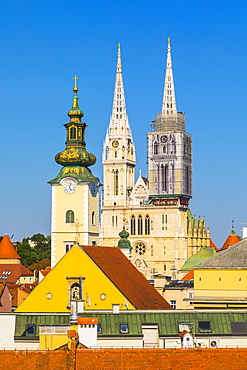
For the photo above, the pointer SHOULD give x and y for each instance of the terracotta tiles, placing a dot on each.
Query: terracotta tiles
(126, 277)
(7, 250)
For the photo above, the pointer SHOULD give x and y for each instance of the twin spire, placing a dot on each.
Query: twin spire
(119, 116)
(169, 99)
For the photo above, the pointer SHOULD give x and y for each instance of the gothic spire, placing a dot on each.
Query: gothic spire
(169, 98)
(119, 116)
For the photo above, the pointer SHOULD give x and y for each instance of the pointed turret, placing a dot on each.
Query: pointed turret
(119, 150)
(8, 251)
(169, 99)
(119, 118)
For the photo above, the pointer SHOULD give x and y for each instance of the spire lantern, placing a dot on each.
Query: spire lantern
(75, 157)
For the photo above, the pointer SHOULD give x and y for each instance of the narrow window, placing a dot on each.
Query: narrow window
(70, 217)
(187, 179)
(166, 178)
(115, 154)
(152, 251)
(112, 221)
(139, 225)
(116, 182)
(106, 153)
(147, 225)
(133, 225)
(93, 218)
(155, 148)
(72, 133)
(116, 221)
(173, 304)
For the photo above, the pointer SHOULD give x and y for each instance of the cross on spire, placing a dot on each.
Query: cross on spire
(75, 78)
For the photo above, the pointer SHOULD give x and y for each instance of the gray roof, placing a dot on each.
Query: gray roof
(233, 257)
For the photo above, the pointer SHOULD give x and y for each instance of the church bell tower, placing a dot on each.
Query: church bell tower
(74, 217)
(170, 147)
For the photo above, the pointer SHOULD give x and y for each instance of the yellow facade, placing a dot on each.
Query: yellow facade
(52, 294)
(220, 283)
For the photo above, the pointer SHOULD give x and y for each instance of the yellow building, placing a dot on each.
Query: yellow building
(74, 191)
(221, 281)
(93, 278)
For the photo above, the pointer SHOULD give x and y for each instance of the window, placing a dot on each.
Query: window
(147, 225)
(30, 330)
(139, 225)
(124, 328)
(68, 246)
(99, 329)
(173, 304)
(239, 328)
(184, 326)
(70, 217)
(93, 218)
(204, 327)
(133, 225)
(116, 182)
(140, 248)
(72, 133)
(164, 267)
(106, 153)
(155, 148)
(152, 250)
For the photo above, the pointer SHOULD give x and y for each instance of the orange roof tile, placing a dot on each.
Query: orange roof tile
(123, 274)
(231, 240)
(213, 245)
(10, 273)
(189, 275)
(46, 270)
(7, 250)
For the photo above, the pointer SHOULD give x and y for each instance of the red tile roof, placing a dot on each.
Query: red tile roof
(45, 271)
(231, 240)
(10, 273)
(7, 250)
(213, 245)
(126, 277)
(189, 276)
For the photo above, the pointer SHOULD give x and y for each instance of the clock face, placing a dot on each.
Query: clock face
(115, 144)
(164, 139)
(69, 187)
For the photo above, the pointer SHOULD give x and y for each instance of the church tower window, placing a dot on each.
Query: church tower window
(70, 217)
(116, 175)
(155, 148)
(133, 225)
(139, 225)
(93, 218)
(147, 225)
(72, 133)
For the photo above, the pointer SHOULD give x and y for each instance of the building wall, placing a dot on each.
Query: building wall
(223, 283)
(83, 204)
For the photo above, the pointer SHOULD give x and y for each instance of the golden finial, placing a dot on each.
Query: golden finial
(75, 88)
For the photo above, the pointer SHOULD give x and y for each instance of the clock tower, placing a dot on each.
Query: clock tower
(119, 150)
(74, 218)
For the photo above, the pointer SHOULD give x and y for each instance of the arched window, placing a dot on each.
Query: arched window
(133, 225)
(164, 149)
(147, 225)
(93, 218)
(116, 174)
(166, 178)
(70, 217)
(72, 133)
(155, 148)
(139, 225)
(106, 153)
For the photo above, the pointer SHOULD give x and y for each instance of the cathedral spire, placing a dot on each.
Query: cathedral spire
(169, 98)
(119, 116)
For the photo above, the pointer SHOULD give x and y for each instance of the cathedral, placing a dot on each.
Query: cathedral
(153, 213)
(154, 210)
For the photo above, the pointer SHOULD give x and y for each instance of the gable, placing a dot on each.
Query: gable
(51, 294)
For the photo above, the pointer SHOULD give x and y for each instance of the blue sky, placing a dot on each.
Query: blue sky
(43, 44)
